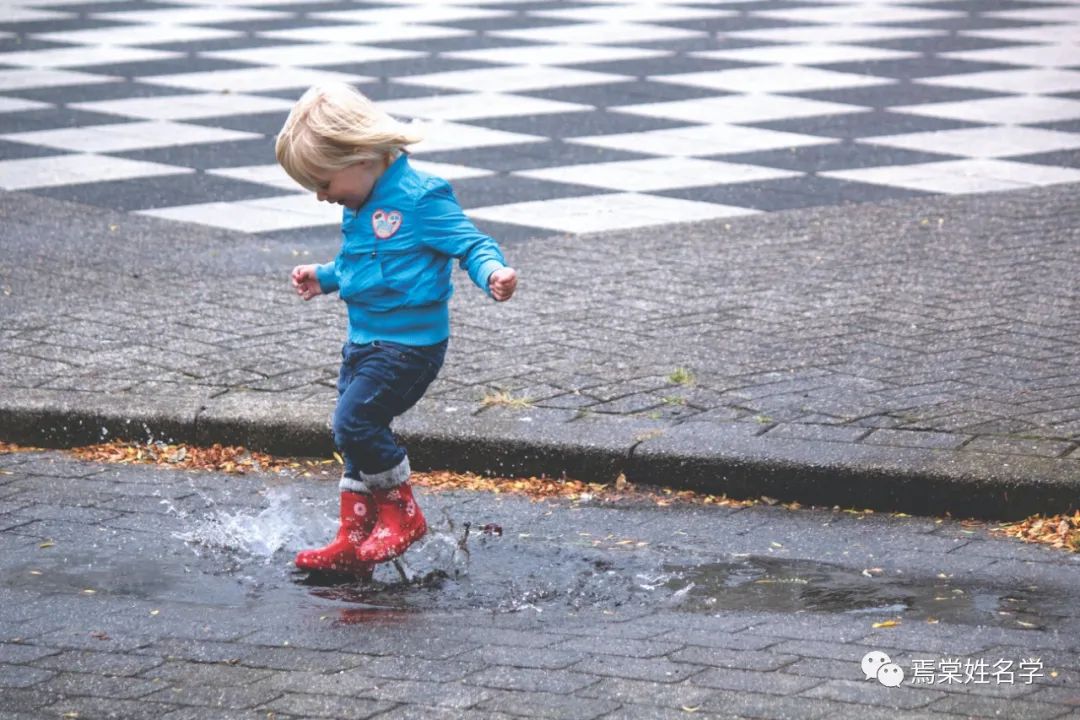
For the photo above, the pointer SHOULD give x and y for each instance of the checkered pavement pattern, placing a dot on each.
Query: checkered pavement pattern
(548, 116)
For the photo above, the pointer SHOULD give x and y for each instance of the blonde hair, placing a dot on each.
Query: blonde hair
(333, 126)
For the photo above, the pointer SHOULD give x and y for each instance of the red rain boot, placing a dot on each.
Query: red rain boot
(400, 523)
(357, 519)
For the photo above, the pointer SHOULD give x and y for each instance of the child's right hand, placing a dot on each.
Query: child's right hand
(305, 281)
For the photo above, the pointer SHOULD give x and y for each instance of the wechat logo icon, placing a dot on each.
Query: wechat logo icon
(876, 664)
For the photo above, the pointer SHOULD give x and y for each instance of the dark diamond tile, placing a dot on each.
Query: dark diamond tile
(62, 25)
(20, 151)
(272, 25)
(622, 93)
(735, 23)
(789, 193)
(265, 123)
(894, 94)
(21, 44)
(241, 42)
(968, 22)
(863, 124)
(980, 6)
(1067, 95)
(175, 66)
(510, 22)
(258, 151)
(400, 69)
(301, 9)
(156, 192)
(441, 45)
(911, 68)
(51, 119)
(506, 189)
(1060, 158)
(1070, 126)
(528, 156)
(120, 90)
(835, 156)
(652, 67)
(937, 44)
(578, 124)
(508, 235)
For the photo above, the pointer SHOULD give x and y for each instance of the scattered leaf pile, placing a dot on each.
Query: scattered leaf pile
(1060, 531)
(7, 448)
(218, 458)
(547, 488)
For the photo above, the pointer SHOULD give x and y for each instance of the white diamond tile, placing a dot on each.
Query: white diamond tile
(252, 80)
(773, 79)
(656, 174)
(16, 14)
(19, 105)
(254, 216)
(60, 3)
(735, 109)
(188, 107)
(271, 174)
(599, 213)
(192, 16)
(431, 15)
(834, 34)
(1060, 55)
(26, 78)
(449, 172)
(864, 15)
(637, 13)
(702, 140)
(1049, 34)
(511, 79)
(609, 33)
(440, 136)
(76, 169)
(961, 176)
(127, 136)
(1043, 80)
(362, 34)
(556, 54)
(806, 54)
(141, 35)
(312, 54)
(988, 142)
(476, 105)
(234, 3)
(83, 56)
(1012, 110)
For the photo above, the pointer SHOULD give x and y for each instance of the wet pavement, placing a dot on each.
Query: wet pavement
(135, 592)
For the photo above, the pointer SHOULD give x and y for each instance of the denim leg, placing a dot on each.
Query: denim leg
(378, 382)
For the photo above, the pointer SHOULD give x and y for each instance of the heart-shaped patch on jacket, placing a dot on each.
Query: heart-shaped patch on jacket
(385, 223)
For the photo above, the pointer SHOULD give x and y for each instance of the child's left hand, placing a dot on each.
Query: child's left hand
(502, 283)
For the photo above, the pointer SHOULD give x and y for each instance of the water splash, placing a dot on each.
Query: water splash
(287, 523)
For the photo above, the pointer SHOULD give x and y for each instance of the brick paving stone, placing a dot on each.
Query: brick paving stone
(977, 706)
(871, 693)
(754, 681)
(643, 692)
(21, 676)
(532, 680)
(109, 709)
(213, 696)
(660, 670)
(736, 659)
(535, 704)
(336, 707)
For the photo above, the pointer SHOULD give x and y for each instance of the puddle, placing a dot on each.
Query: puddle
(237, 557)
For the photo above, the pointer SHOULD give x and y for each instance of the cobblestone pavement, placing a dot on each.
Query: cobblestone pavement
(934, 336)
(550, 116)
(134, 592)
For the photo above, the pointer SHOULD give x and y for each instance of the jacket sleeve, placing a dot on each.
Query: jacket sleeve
(445, 229)
(327, 276)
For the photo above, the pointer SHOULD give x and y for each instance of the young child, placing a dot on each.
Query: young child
(400, 229)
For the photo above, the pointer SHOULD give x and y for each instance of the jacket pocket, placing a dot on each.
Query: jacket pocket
(358, 275)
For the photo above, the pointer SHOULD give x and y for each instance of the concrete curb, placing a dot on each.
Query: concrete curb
(713, 457)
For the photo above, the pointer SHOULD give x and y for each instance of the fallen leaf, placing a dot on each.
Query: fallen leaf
(47, 544)
(691, 708)
(886, 624)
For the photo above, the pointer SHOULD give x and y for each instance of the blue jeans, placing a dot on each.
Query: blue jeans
(379, 381)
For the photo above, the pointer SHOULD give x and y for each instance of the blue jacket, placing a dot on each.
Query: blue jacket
(394, 268)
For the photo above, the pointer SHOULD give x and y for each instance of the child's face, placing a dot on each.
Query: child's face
(351, 185)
